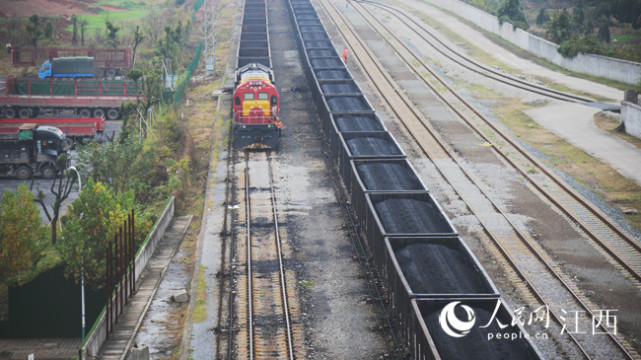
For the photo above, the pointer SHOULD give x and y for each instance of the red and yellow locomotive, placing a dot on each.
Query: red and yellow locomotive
(256, 106)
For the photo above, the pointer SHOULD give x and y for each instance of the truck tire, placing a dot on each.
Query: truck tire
(10, 113)
(84, 113)
(47, 171)
(24, 113)
(110, 73)
(98, 112)
(23, 172)
(69, 143)
(113, 114)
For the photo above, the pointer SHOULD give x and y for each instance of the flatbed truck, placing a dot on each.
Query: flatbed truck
(27, 97)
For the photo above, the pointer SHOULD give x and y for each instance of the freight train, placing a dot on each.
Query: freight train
(440, 296)
(256, 104)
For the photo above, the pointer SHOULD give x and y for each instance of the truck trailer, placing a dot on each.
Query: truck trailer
(75, 129)
(107, 62)
(33, 148)
(67, 67)
(27, 98)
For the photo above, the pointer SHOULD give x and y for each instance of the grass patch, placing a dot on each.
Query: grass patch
(595, 175)
(118, 18)
(200, 307)
(611, 125)
(51, 258)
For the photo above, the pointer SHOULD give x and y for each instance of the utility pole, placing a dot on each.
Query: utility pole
(210, 53)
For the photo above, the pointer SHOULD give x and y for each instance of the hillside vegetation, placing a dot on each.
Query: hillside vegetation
(603, 27)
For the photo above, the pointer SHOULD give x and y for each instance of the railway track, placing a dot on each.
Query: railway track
(621, 248)
(449, 52)
(550, 287)
(266, 319)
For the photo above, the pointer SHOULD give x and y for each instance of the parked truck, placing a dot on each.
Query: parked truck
(27, 98)
(75, 129)
(33, 148)
(67, 67)
(107, 62)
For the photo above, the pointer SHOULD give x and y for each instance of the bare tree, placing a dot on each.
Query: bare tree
(154, 24)
(60, 188)
(138, 38)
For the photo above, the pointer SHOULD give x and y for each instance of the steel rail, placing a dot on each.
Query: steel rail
(520, 235)
(250, 300)
(280, 258)
(520, 84)
(227, 234)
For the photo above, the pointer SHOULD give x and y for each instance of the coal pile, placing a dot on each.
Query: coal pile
(348, 103)
(307, 28)
(332, 75)
(411, 216)
(339, 88)
(369, 145)
(315, 36)
(318, 44)
(326, 63)
(307, 16)
(476, 345)
(432, 268)
(321, 53)
(388, 176)
(358, 123)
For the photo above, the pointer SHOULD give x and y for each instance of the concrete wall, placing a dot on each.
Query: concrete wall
(596, 65)
(631, 118)
(98, 334)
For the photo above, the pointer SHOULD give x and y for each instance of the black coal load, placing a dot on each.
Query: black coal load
(306, 16)
(358, 123)
(340, 74)
(327, 63)
(388, 176)
(411, 216)
(368, 146)
(318, 28)
(322, 53)
(314, 36)
(348, 87)
(479, 343)
(316, 44)
(348, 103)
(439, 268)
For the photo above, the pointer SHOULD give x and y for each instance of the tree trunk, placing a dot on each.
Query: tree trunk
(54, 229)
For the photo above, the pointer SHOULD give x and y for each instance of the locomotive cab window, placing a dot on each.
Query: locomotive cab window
(237, 100)
(263, 96)
(248, 96)
(274, 101)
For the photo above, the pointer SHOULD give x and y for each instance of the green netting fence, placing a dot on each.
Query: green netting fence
(190, 69)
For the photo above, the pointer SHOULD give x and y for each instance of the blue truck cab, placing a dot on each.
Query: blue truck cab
(68, 67)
